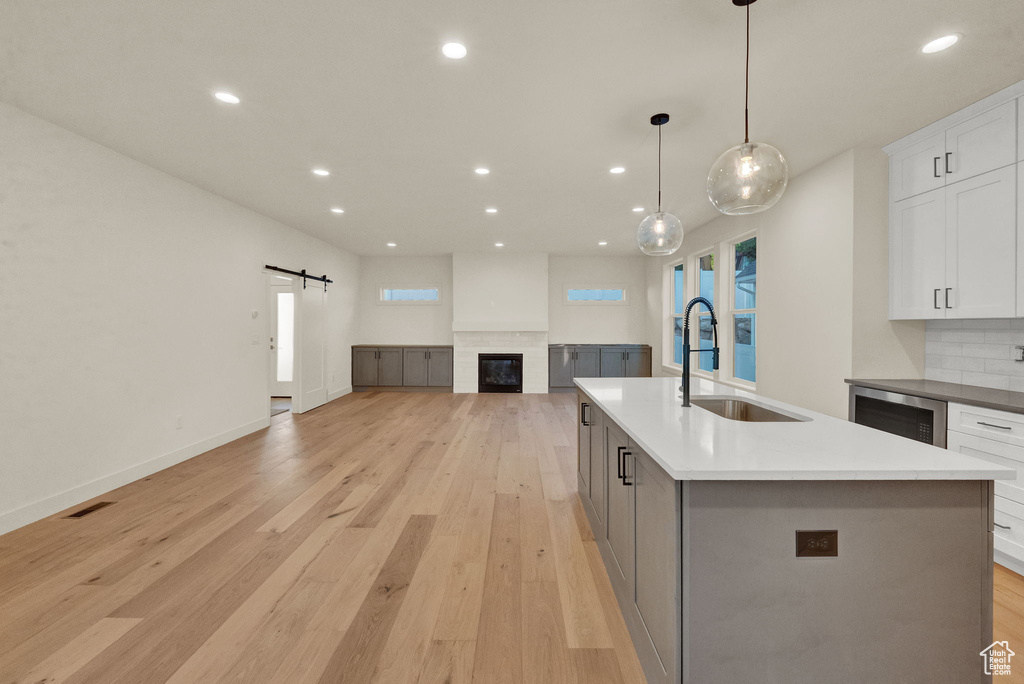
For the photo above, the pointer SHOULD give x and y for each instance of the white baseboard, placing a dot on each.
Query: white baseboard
(19, 517)
(1008, 561)
(338, 394)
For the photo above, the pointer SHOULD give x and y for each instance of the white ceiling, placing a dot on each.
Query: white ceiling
(552, 94)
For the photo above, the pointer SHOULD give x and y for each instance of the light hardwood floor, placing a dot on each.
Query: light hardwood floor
(381, 538)
(385, 537)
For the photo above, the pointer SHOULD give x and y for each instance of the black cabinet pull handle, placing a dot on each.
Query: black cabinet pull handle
(1002, 527)
(1001, 427)
(935, 299)
(624, 473)
(947, 298)
(618, 462)
(948, 155)
(935, 167)
(583, 413)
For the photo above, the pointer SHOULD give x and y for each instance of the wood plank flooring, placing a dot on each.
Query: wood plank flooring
(393, 537)
(389, 537)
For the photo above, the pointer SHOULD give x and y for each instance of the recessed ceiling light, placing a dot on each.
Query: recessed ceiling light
(602, 243)
(499, 244)
(617, 169)
(638, 209)
(940, 44)
(453, 50)
(392, 244)
(321, 172)
(225, 96)
(491, 210)
(337, 210)
(481, 171)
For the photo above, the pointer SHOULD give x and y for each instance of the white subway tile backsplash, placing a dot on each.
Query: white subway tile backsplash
(975, 352)
(964, 363)
(986, 380)
(944, 348)
(987, 351)
(974, 336)
(943, 375)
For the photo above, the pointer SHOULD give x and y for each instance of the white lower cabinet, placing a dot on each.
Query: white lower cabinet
(995, 436)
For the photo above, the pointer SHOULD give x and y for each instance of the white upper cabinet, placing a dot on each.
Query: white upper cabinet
(981, 246)
(1020, 242)
(956, 214)
(918, 168)
(983, 143)
(917, 257)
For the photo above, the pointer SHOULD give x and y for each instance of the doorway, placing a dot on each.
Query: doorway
(282, 343)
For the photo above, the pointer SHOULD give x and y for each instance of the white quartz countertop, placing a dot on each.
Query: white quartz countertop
(695, 444)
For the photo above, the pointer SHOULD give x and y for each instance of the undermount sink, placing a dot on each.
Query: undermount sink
(745, 411)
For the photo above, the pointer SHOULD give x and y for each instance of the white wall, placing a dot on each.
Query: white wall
(401, 323)
(125, 300)
(500, 292)
(597, 323)
(822, 283)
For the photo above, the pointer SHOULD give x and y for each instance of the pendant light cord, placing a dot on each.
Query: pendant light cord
(659, 169)
(746, 93)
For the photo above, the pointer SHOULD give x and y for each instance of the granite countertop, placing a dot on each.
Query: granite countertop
(1001, 400)
(695, 444)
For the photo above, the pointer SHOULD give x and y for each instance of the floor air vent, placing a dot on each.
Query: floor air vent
(89, 509)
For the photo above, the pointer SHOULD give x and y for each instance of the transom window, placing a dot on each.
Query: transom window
(412, 294)
(595, 295)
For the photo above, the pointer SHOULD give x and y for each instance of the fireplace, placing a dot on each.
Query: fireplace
(500, 373)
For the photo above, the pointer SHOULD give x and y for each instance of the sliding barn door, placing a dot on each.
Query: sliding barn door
(310, 346)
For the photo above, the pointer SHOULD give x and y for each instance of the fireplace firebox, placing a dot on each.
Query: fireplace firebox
(500, 373)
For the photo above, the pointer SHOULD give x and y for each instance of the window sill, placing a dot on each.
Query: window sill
(736, 384)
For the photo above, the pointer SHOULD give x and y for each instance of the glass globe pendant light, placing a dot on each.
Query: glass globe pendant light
(659, 234)
(750, 177)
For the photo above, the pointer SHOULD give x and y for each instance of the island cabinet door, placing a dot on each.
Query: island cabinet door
(620, 523)
(583, 414)
(598, 475)
(658, 569)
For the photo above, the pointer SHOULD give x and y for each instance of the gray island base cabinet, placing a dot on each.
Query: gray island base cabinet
(707, 576)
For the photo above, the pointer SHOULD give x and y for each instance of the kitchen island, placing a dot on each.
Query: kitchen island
(794, 548)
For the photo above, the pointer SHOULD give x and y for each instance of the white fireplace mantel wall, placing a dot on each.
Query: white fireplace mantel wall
(532, 345)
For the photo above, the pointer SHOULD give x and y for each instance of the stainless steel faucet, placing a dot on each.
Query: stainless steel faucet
(685, 387)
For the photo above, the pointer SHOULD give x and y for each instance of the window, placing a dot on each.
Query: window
(732, 288)
(744, 310)
(424, 295)
(595, 295)
(706, 274)
(678, 304)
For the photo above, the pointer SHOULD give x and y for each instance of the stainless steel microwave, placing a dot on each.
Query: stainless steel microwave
(913, 417)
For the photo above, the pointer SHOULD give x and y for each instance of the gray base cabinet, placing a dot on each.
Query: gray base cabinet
(401, 367)
(568, 361)
(905, 548)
